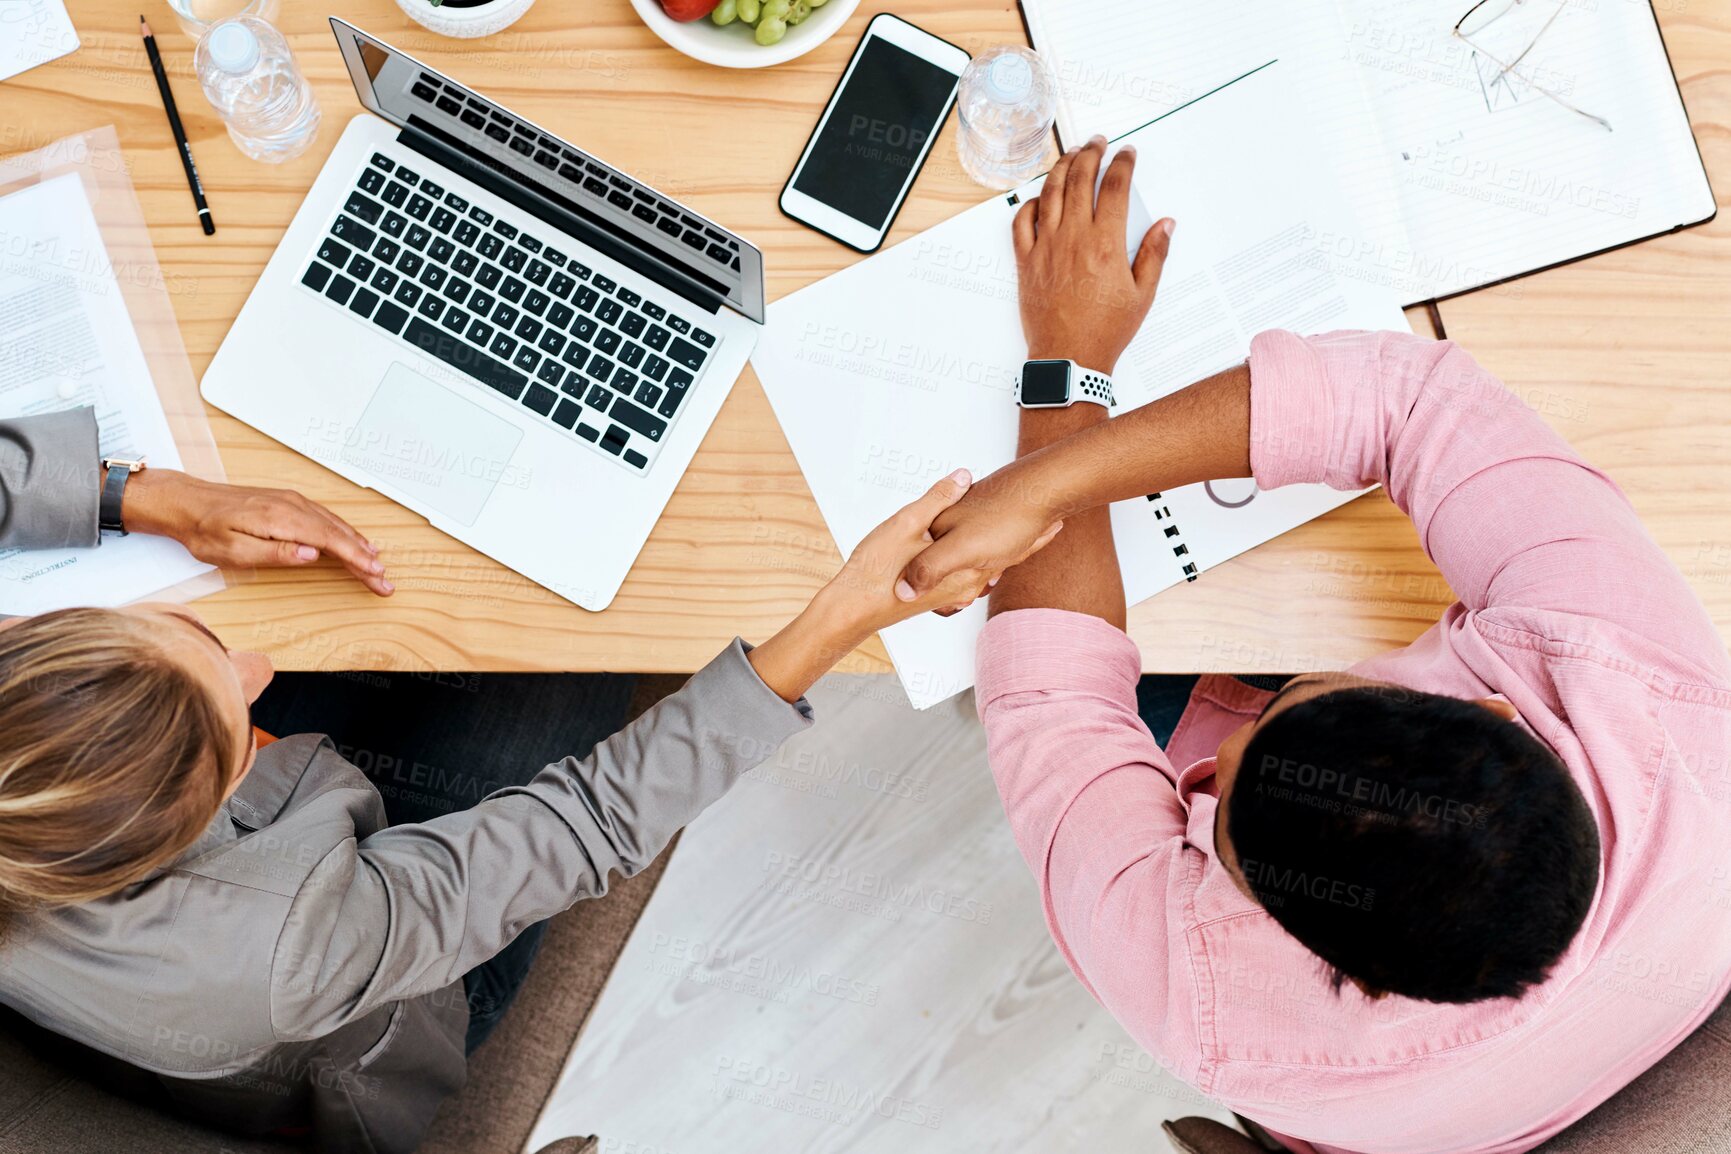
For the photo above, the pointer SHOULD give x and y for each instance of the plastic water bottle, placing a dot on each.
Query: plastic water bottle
(250, 77)
(1005, 108)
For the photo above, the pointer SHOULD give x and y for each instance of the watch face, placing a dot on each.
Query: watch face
(1045, 382)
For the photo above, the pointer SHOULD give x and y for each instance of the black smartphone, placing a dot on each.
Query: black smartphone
(875, 133)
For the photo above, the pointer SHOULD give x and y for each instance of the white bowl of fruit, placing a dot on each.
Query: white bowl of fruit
(744, 33)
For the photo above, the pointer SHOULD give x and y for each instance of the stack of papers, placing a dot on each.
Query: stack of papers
(68, 341)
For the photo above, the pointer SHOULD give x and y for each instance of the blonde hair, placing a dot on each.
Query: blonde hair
(114, 757)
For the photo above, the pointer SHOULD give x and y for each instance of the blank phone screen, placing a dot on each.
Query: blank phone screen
(878, 127)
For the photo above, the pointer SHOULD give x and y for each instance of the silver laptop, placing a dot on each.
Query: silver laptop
(480, 320)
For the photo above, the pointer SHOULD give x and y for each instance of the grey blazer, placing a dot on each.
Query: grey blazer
(49, 487)
(301, 964)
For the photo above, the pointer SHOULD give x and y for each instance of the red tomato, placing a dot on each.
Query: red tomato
(688, 10)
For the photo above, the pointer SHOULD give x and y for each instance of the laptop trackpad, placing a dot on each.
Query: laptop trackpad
(434, 446)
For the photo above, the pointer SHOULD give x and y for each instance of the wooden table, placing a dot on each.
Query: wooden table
(1628, 354)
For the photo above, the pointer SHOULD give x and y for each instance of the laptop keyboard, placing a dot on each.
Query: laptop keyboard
(594, 358)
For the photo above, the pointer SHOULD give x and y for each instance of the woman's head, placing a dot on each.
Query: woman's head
(122, 731)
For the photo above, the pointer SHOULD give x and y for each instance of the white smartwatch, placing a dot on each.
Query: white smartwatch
(1060, 384)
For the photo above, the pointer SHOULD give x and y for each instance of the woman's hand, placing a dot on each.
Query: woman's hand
(866, 592)
(1081, 299)
(238, 527)
(1003, 519)
(861, 599)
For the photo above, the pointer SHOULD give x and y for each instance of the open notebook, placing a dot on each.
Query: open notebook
(897, 370)
(1461, 173)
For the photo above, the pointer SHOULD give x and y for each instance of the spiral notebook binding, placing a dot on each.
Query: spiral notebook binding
(1174, 536)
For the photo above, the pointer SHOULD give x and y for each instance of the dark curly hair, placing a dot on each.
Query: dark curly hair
(1418, 844)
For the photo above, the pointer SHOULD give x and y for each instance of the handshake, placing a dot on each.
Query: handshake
(938, 554)
(1082, 300)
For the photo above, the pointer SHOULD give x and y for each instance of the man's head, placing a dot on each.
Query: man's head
(1420, 845)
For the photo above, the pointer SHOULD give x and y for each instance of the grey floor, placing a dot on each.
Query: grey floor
(848, 954)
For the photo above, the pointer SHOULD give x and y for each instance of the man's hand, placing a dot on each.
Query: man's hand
(866, 588)
(1081, 299)
(238, 527)
(1002, 520)
(860, 600)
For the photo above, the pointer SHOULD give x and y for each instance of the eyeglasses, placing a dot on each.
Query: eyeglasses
(1483, 15)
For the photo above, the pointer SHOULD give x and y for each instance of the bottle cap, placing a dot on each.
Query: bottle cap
(232, 46)
(1009, 79)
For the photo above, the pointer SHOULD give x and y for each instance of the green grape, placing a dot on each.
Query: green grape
(725, 12)
(749, 10)
(770, 29)
(775, 9)
(818, 3)
(798, 12)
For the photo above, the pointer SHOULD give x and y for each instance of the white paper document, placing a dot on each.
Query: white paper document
(901, 368)
(33, 32)
(66, 340)
(1462, 171)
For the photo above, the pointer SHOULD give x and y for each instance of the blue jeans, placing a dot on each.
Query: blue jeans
(434, 744)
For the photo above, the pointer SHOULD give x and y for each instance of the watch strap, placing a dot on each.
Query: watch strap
(114, 479)
(1093, 386)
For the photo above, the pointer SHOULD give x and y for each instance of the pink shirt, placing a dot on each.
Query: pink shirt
(1568, 610)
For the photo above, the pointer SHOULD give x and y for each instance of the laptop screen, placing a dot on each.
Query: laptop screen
(652, 226)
